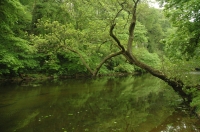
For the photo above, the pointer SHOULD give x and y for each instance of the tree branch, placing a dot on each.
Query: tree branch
(82, 59)
(132, 27)
(105, 59)
(177, 85)
(115, 38)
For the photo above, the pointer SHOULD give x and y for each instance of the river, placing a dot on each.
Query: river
(107, 104)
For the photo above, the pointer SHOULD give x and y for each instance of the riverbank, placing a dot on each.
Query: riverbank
(29, 77)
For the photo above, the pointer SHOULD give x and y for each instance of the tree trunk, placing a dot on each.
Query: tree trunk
(176, 84)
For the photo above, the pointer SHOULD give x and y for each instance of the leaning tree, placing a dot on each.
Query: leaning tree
(127, 51)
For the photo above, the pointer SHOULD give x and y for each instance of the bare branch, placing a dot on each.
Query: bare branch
(113, 21)
(102, 44)
(115, 38)
(105, 59)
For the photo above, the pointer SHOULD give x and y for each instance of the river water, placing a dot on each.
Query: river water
(108, 104)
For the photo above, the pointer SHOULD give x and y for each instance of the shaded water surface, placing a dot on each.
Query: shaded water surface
(125, 104)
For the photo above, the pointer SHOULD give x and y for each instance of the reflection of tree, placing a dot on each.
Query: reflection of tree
(99, 105)
(180, 123)
(119, 106)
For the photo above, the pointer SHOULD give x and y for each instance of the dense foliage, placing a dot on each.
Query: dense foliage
(16, 52)
(184, 39)
(55, 37)
(182, 45)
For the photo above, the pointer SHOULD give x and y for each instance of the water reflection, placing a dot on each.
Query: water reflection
(125, 104)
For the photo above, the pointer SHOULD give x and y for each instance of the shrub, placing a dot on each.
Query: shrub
(151, 59)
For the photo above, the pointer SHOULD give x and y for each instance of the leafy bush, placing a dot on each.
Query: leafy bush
(196, 102)
(125, 67)
(151, 59)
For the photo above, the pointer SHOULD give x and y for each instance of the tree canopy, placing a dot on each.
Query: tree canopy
(71, 37)
(185, 17)
(15, 50)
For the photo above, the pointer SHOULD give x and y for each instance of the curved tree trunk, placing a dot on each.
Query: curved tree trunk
(177, 85)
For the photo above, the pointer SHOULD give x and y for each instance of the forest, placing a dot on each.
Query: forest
(62, 38)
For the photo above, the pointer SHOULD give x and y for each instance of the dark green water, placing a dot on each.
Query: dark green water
(124, 104)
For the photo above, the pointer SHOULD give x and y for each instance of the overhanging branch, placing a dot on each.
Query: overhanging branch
(105, 59)
(115, 38)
